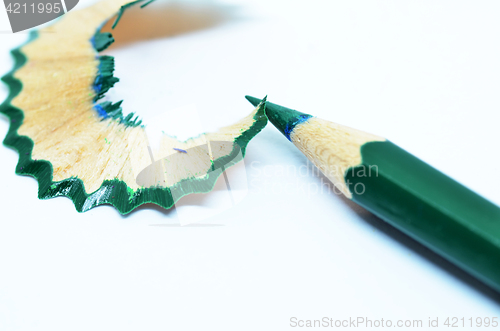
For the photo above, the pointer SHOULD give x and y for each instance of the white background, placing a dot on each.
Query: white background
(424, 74)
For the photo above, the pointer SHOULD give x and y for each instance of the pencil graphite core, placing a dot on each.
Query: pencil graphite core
(404, 191)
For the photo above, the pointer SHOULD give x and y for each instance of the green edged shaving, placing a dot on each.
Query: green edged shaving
(91, 152)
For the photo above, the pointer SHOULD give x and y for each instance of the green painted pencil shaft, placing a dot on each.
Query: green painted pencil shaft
(414, 197)
(430, 207)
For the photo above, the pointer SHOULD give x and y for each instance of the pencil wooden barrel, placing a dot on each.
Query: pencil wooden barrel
(417, 199)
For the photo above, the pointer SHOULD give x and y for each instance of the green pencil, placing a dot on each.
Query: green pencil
(404, 191)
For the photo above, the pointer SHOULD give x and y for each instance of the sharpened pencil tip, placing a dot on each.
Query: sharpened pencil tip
(254, 101)
(284, 119)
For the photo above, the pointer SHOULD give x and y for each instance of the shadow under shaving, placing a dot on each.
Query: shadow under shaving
(160, 20)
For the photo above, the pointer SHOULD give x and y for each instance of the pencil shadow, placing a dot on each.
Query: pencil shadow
(412, 244)
(160, 20)
(423, 251)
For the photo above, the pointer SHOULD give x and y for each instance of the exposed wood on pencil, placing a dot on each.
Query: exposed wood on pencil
(333, 148)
